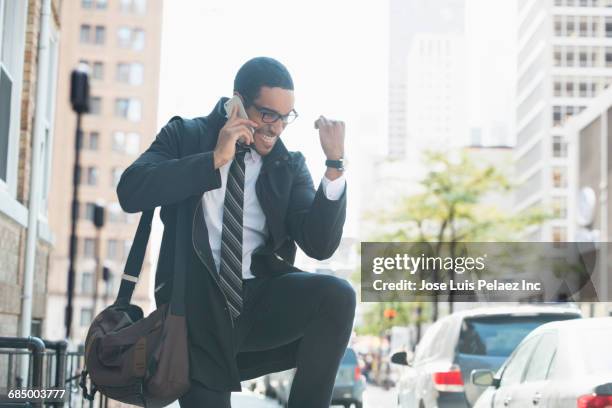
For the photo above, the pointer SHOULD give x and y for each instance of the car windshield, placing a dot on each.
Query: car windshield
(499, 335)
(595, 346)
(349, 357)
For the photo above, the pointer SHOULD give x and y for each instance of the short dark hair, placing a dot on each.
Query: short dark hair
(258, 72)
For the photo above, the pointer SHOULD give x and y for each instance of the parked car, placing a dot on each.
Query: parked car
(438, 375)
(349, 384)
(558, 365)
(348, 387)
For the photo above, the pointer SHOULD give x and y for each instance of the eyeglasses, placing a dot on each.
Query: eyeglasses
(270, 116)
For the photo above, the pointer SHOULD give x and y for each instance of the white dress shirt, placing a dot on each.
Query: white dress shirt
(254, 228)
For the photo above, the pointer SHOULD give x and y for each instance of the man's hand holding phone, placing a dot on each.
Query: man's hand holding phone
(235, 130)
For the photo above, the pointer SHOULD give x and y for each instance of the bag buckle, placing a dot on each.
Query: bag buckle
(83, 385)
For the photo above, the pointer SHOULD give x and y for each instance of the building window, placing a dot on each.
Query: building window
(86, 316)
(131, 38)
(92, 142)
(87, 286)
(128, 108)
(115, 176)
(556, 115)
(569, 57)
(608, 57)
(124, 37)
(12, 36)
(115, 214)
(128, 143)
(582, 87)
(559, 234)
(85, 33)
(112, 250)
(90, 211)
(86, 4)
(608, 27)
(583, 59)
(101, 4)
(133, 6)
(559, 177)
(571, 28)
(594, 28)
(138, 39)
(557, 57)
(559, 147)
(127, 245)
(98, 70)
(569, 89)
(95, 105)
(100, 35)
(558, 26)
(130, 73)
(91, 176)
(559, 206)
(89, 248)
(557, 88)
(583, 27)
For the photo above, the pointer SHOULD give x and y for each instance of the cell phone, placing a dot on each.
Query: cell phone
(229, 106)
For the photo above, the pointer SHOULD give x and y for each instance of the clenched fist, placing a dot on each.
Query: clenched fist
(331, 133)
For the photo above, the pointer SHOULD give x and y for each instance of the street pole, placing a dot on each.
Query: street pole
(603, 202)
(38, 136)
(98, 223)
(79, 98)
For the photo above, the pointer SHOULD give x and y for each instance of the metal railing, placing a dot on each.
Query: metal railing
(51, 366)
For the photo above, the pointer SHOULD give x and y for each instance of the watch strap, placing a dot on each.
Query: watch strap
(336, 164)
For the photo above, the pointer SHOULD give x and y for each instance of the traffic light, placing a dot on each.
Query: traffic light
(98, 216)
(390, 313)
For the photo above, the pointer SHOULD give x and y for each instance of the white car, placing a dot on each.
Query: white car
(438, 375)
(558, 365)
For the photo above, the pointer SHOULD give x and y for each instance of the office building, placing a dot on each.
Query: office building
(564, 61)
(119, 42)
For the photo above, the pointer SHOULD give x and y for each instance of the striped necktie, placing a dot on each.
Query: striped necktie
(231, 234)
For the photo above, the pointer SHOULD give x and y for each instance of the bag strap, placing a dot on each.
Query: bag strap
(133, 265)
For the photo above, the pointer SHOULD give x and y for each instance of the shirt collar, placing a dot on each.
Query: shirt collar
(253, 155)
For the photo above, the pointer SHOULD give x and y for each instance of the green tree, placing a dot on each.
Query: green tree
(451, 208)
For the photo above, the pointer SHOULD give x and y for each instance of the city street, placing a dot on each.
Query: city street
(373, 397)
(378, 397)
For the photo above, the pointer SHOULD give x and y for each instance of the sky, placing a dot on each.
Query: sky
(337, 53)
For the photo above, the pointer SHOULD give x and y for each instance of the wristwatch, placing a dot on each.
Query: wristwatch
(336, 164)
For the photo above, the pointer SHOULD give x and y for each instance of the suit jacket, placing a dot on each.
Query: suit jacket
(174, 173)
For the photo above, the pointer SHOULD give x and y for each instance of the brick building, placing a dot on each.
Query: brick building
(20, 103)
(119, 41)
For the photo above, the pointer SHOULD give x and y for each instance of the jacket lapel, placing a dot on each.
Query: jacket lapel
(273, 188)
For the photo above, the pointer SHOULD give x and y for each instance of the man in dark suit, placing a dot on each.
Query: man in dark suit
(234, 204)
